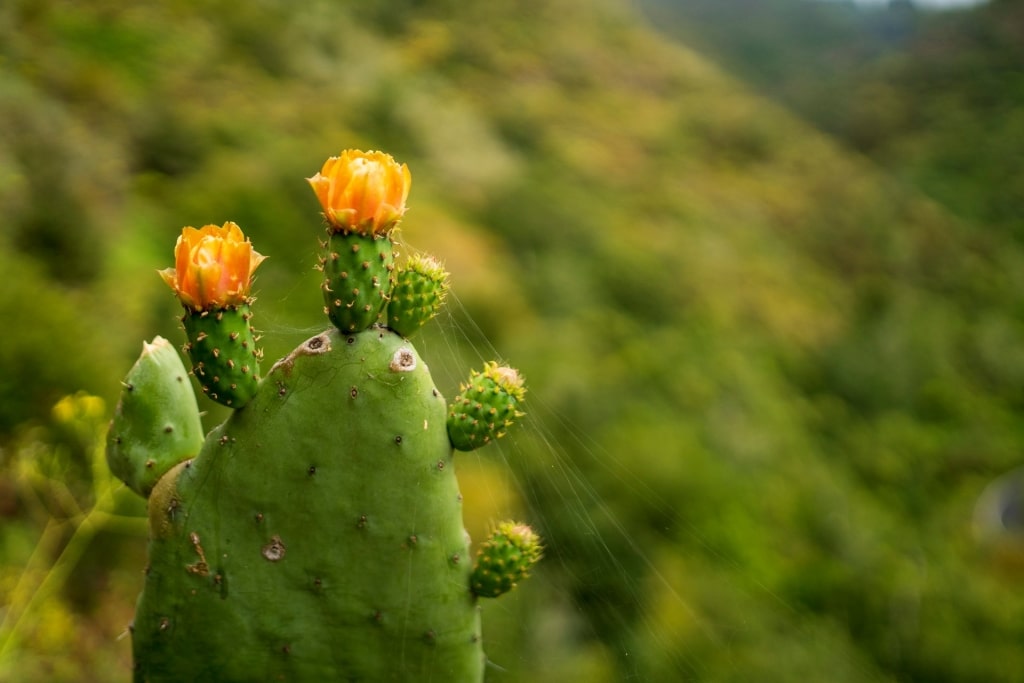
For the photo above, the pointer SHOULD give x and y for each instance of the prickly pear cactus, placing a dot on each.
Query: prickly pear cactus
(317, 534)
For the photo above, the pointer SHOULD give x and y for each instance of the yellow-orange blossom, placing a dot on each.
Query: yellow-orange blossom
(363, 192)
(213, 267)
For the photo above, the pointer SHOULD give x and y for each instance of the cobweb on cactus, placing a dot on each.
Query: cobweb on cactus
(609, 591)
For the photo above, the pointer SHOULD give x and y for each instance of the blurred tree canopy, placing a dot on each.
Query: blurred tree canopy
(767, 303)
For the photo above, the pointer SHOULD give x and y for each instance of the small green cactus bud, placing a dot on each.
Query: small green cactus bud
(485, 407)
(156, 424)
(357, 279)
(505, 559)
(225, 358)
(419, 291)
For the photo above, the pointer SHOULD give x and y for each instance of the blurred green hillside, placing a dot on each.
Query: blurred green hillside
(770, 375)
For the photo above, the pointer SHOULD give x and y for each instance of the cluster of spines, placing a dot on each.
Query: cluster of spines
(358, 277)
(505, 559)
(222, 346)
(486, 407)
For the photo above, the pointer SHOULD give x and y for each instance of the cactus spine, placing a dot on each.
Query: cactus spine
(317, 534)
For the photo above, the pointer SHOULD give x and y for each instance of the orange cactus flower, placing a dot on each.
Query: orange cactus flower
(364, 192)
(213, 267)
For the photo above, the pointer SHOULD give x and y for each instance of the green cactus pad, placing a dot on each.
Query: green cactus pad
(357, 279)
(505, 559)
(485, 407)
(419, 291)
(225, 358)
(318, 535)
(156, 423)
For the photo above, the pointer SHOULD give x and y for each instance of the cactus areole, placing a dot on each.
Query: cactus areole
(317, 534)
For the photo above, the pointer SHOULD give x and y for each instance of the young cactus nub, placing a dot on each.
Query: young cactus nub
(156, 424)
(505, 559)
(485, 407)
(418, 294)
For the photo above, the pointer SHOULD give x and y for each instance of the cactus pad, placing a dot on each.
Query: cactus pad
(156, 423)
(318, 535)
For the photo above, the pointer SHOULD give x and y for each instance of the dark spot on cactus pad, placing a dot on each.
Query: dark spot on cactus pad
(150, 464)
(168, 429)
(351, 340)
(165, 624)
(287, 649)
(361, 524)
(430, 637)
(312, 470)
(200, 567)
(440, 465)
(353, 392)
(314, 343)
(403, 361)
(259, 517)
(398, 439)
(274, 551)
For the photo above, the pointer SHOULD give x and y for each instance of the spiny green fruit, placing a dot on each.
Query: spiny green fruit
(505, 559)
(357, 279)
(223, 351)
(418, 294)
(318, 535)
(156, 423)
(485, 407)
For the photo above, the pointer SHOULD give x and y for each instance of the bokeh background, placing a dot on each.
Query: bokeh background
(760, 261)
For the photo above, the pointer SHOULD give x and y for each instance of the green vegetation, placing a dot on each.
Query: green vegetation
(772, 369)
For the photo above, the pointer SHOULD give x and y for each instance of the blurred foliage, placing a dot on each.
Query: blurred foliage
(770, 377)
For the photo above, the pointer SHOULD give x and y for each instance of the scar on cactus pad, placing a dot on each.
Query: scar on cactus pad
(317, 533)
